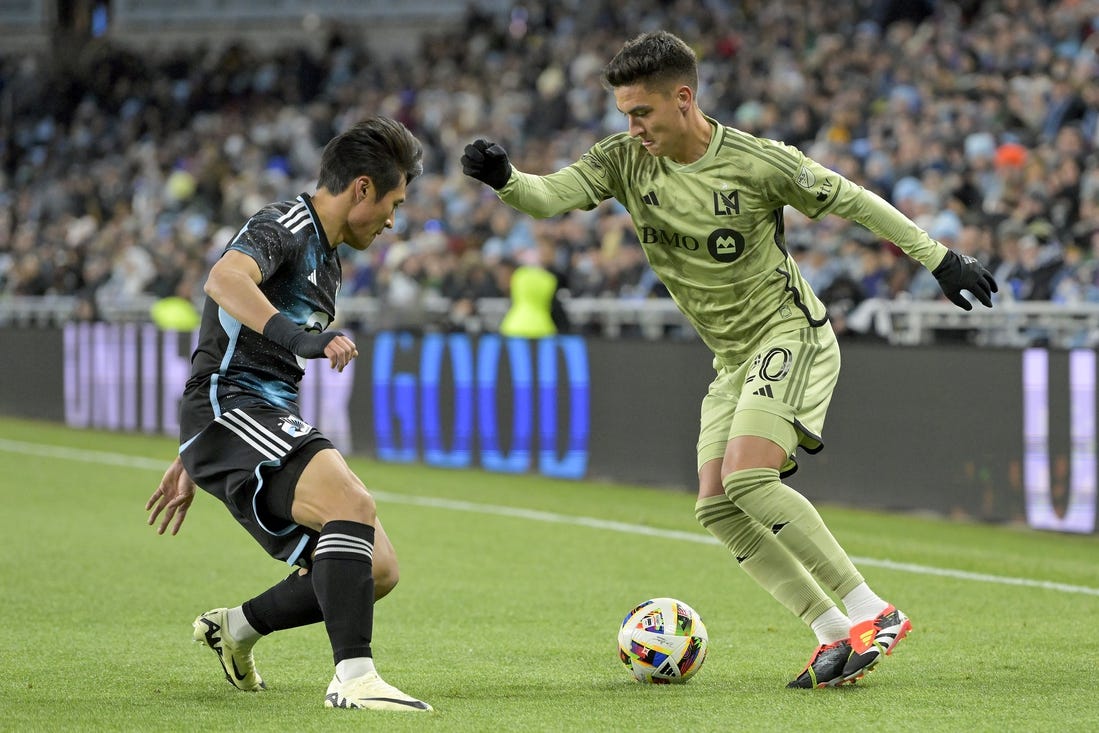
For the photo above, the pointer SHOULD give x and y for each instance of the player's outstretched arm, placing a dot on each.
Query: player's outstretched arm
(172, 497)
(961, 272)
(955, 272)
(540, 196)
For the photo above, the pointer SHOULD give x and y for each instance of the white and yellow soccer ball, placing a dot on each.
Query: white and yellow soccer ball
(663, 641)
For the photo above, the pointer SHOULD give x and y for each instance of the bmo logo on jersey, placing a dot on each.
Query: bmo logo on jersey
(673, 240)
(725, 245)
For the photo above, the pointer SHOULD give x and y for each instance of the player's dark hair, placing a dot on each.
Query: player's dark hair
(378, 147)
(652, 60)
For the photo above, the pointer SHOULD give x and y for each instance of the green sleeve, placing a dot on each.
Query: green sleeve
(857, 204)
(550, 195)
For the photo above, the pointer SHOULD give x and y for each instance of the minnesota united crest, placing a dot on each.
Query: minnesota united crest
(295, 427)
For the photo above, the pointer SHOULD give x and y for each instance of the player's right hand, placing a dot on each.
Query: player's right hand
(173, 497)
(487, 162)
(961, 272)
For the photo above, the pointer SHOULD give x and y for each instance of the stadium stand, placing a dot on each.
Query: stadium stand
(121, 165)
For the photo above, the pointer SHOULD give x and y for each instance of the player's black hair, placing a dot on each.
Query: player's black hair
(653, 59)
(378, 147)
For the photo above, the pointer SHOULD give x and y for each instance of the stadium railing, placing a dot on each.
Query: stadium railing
(1014, 324)
(1010, 324)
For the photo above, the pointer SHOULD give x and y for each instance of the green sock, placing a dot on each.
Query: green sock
(764, 559)
(797, 525)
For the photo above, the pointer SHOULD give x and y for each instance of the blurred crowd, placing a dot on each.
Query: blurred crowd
(125, 172)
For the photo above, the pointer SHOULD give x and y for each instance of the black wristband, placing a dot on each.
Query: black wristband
(306, 344)
(283, 331)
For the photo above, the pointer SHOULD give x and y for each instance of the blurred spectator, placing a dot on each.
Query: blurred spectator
(531, 291)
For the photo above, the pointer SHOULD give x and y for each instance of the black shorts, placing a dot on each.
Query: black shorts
(251, 458)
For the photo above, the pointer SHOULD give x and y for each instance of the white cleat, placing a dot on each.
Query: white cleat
(370, 692)
(211, 630)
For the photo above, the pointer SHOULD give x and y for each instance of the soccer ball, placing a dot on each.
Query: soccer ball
(662, 641)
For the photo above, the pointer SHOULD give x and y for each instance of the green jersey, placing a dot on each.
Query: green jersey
(712, 230)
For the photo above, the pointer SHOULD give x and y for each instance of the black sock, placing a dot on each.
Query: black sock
(343, 579)
(286, 605)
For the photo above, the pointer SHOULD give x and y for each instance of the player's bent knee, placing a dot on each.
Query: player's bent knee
(316, 506)
(356, 505)
(328, 490)
(751, 451)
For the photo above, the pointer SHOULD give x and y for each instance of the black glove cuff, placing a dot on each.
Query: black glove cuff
(950, 261)
(283, 331)
(501, 180)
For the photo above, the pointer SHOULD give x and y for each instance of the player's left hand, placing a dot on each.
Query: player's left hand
(961, 272)
(173, 497)
(340, 351)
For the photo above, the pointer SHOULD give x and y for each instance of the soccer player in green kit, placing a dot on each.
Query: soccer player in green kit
(706, 201)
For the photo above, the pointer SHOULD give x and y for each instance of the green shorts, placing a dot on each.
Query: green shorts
(781, 393)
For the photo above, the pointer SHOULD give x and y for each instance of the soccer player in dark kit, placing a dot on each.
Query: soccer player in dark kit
(271, 296)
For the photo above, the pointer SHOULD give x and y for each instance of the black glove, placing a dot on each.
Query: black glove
(961, 272)
(306, 344)
(487, 162)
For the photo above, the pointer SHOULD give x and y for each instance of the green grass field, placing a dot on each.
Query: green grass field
(512, 591)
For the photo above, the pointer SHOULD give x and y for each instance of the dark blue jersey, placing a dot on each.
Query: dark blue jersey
(300, 275)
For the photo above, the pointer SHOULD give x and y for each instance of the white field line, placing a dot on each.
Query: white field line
(118, 459)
